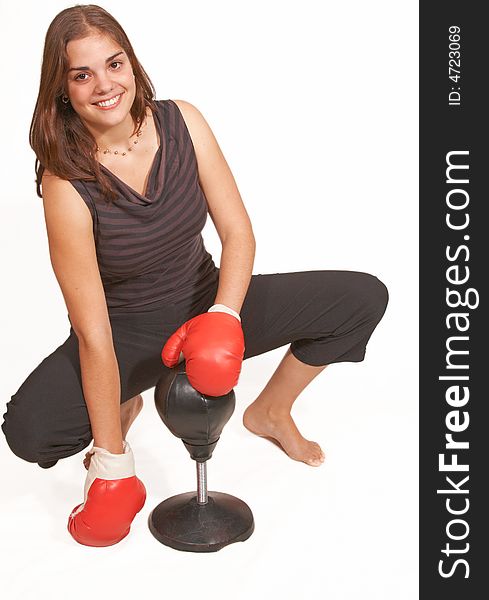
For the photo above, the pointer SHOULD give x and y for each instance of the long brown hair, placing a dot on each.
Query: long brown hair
(60, 140)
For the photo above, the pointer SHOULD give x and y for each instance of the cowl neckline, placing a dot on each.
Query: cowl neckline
(154, 186)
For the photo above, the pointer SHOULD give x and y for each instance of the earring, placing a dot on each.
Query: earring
(65, 101)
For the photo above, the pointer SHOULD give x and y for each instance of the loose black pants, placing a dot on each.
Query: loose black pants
(326, 316)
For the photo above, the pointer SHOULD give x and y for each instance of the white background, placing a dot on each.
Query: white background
(314, 105)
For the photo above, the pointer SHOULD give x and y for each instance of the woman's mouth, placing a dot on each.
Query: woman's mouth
(112, 103)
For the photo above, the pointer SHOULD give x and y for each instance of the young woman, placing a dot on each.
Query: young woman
(127, 183)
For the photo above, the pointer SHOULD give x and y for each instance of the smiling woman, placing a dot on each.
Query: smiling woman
(136, 276)
(103, 87)
(70, 133)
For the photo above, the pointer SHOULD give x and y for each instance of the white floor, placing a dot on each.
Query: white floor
(345, 530)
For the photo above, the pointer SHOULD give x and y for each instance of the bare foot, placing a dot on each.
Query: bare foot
(129, 411)
(283, 432)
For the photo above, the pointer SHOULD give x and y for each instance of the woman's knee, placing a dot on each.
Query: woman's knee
(38, 438)
(21, 433)
(373, 294)
(379, 296)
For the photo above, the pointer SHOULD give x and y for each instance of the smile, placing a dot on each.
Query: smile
(107, 105)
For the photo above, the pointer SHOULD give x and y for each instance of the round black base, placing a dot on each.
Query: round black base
(181, 523)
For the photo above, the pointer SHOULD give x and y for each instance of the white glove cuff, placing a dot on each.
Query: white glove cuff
(226, 309)
(105, 465)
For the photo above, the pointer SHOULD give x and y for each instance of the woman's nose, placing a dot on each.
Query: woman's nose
(104, 84)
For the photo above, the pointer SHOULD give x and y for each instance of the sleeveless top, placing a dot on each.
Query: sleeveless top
(150, 248)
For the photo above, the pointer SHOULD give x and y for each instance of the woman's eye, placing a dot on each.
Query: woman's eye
(116, 62)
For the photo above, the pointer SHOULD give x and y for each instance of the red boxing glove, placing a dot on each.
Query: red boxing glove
(213, 346)
(113, 497)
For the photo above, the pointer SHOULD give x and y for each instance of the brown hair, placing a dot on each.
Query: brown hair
(59, 138)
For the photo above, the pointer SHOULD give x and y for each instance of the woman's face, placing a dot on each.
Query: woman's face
(101, 77)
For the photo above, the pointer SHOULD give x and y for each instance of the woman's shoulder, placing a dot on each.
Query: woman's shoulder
(185, 107)
(51, 178)
(55, 186)
(190, 114)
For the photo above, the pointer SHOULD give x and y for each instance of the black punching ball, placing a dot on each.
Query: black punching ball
(199, 521)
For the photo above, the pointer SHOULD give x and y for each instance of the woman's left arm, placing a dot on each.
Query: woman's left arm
(226, 210)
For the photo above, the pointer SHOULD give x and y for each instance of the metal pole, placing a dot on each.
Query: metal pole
(202, 482)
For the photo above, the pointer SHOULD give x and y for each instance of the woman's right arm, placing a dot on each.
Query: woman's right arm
(74, 261)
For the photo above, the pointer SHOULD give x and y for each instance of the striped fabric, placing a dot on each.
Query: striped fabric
(150, 248)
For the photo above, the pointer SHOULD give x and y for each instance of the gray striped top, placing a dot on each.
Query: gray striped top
(150, 248)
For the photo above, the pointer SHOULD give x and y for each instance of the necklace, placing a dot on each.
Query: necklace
(130, 149)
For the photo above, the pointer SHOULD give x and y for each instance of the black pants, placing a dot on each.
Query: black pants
(327, 316)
